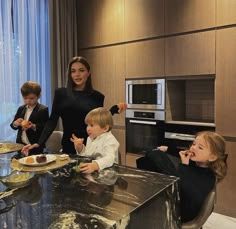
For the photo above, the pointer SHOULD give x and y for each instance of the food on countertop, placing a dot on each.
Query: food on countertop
(41, 158)
(64, 157)
(25, 124)
(29, 160)
(77, 167)
(1, 145)
(18, 177)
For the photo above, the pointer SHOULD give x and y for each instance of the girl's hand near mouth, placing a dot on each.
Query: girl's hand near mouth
(185, 156)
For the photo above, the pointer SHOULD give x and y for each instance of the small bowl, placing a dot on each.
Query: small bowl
(17, 179)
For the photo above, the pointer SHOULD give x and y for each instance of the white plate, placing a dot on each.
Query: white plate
(50, 158)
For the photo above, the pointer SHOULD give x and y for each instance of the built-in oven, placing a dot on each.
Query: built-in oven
(181, 135)
(145, 93)
(144, 130)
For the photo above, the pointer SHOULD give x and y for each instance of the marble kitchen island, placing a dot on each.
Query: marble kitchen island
(118, 197)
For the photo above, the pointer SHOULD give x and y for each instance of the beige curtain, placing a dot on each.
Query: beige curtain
(63, 38)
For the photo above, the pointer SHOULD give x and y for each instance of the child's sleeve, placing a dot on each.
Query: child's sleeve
(17, 115)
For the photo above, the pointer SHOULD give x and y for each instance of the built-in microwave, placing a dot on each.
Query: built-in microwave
(145, 93)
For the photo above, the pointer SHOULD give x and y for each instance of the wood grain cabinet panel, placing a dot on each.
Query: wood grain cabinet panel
(226, 198)
(119, 133)
(185, 15)
(131, 159)
(192, 54)
(143, 19)
(226, 81)
(108, 76)
(145, 59)
(100, 22)
(225, 12)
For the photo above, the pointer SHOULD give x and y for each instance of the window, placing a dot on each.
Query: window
(24, 55)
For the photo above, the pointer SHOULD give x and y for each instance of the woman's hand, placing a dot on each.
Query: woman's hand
(25, 150)
(185, 156)
(78, 143)
(121, 107)
(89, 167)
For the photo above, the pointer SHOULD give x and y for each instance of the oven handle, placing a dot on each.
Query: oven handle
(184, 137)
(143, 122)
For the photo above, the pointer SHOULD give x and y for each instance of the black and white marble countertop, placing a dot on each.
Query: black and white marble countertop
(65, 199)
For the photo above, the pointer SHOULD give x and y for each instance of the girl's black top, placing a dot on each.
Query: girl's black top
(195, 182)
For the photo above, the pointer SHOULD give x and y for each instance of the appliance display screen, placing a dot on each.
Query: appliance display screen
(145, 93)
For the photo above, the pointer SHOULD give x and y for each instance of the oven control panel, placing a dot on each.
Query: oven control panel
(144, 114)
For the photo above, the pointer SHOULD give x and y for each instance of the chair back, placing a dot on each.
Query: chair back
(205, 212)
(53, 143)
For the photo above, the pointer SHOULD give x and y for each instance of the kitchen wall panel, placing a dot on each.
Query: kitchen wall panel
(226, 198)
(145, 59)
(101, 22)
(226, 12)
(226, 81)
(119, 133)
(185, 15)
(192, 54)
(108, 75)
(143, 19)
(131, 160)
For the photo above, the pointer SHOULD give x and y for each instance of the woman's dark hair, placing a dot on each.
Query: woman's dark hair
(70, 84)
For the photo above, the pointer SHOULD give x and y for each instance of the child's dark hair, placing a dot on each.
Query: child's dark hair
(217, 146)
(100, 116)
(30, 87)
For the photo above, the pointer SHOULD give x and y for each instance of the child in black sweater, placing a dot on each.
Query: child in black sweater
(199, 168)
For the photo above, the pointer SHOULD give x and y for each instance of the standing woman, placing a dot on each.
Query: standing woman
(72, 103)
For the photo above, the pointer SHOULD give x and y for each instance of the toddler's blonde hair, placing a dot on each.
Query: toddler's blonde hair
(100, 116)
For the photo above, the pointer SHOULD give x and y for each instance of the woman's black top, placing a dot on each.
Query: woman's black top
(72, 109)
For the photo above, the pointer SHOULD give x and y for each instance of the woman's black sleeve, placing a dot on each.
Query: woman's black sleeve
(114, 109)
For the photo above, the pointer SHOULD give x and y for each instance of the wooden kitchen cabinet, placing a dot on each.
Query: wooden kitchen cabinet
(143, 19)
(108, 76)
(226, 12)
(100, 22)
(226, 198)
(225, 100)
(131, 159)
(119, 133)
(145, 59)
(191, 54)
(184, 15)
